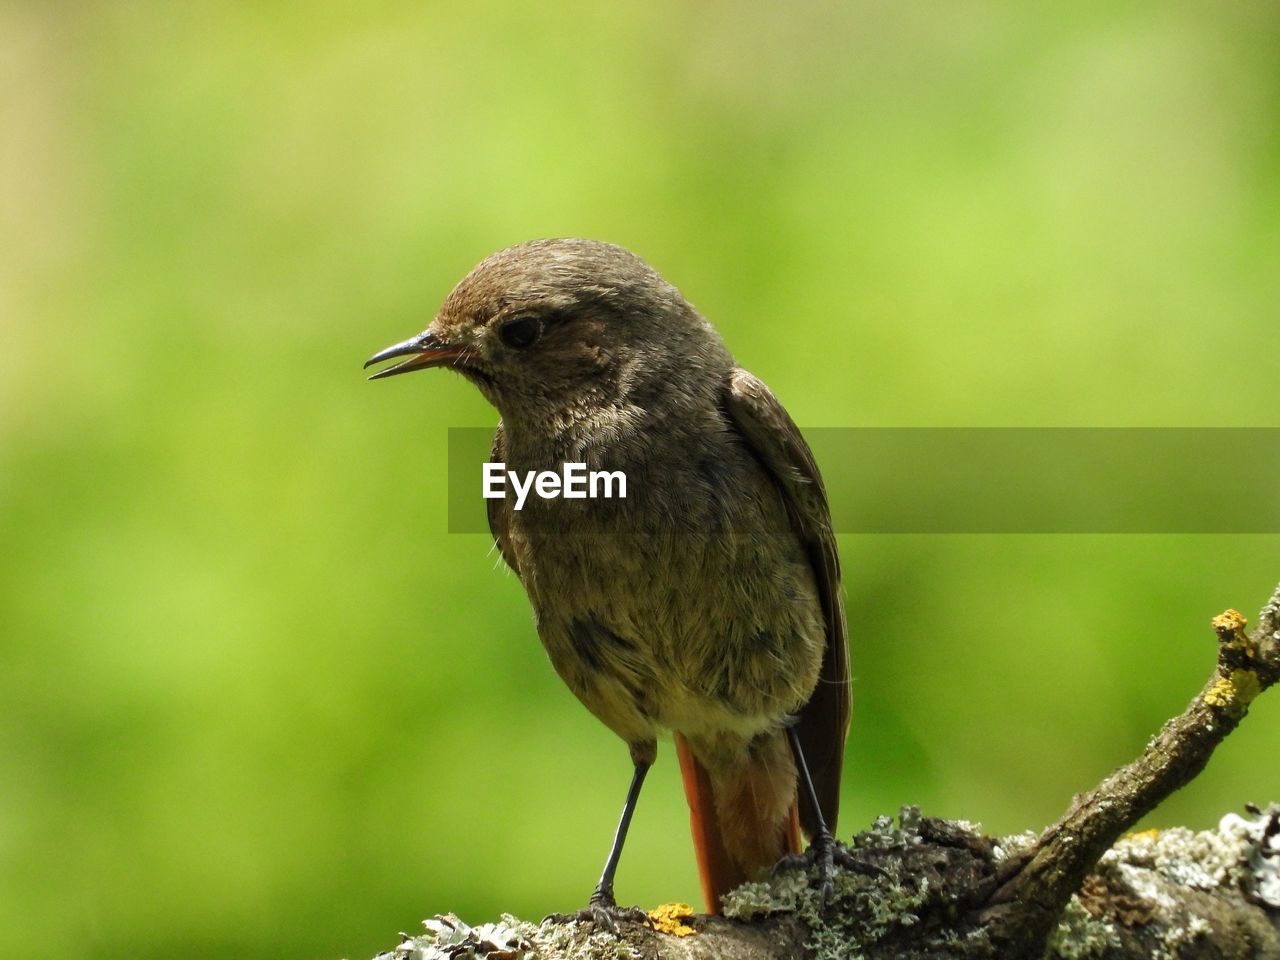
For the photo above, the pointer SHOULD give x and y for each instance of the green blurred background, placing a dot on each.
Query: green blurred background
(256, 701)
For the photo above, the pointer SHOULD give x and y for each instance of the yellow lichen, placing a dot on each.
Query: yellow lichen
(1151, 834)
(1229, 625)
(1236, 690)
(668, 917)
(1230, 621)
(1246, 685)
(1220, 694)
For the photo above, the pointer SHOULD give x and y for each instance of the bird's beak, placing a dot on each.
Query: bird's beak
(424, 350)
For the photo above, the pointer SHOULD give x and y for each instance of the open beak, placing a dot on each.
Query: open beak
(424, 350)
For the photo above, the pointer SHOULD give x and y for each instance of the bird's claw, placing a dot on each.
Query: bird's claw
(604, 913)
(823, 855)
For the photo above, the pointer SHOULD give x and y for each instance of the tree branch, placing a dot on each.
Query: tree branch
(1034, 894)
(929, 889)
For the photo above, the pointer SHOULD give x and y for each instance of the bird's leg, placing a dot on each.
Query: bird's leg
(823, 850)
(603, 895)
(602, 909)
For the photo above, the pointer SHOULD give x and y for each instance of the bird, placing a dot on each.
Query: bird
(707, 602)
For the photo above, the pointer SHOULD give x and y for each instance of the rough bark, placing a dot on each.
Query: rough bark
(927, 889)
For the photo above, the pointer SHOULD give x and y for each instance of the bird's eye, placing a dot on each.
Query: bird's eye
(521, 333)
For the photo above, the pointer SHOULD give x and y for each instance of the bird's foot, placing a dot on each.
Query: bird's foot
(825, 853)
(603, 912)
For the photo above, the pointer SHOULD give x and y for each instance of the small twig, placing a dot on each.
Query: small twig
(1024, 909)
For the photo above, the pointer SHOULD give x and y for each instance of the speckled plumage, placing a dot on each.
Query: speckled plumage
(708, 601)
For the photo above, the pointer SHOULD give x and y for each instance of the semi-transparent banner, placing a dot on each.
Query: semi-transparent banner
(966, 480)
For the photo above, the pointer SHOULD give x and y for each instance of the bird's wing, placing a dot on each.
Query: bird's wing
(776, 442)
(499, 509)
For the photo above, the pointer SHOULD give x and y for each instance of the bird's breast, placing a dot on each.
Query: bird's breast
(691, 599)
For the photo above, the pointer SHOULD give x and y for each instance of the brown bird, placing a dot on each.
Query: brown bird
(708, 601)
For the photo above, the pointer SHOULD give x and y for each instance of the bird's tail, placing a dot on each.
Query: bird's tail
(743, 814)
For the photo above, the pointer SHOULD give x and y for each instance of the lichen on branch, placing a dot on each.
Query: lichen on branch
(928, 889)
(1033, 895)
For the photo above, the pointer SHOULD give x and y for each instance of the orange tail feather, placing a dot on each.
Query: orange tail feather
(718, 869)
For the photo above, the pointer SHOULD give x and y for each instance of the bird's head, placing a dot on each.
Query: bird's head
(549, 325)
